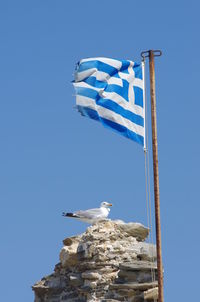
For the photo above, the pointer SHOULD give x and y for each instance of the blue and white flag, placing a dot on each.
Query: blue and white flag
(112, 92)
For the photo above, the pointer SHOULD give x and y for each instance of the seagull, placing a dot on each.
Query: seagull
(92, 215)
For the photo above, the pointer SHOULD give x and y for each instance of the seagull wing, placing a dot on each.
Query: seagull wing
(89, 214)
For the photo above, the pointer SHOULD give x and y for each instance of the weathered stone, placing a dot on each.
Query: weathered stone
(138, 266)
(91, 275)
(109, 262)
(68, 255)
(130, 276)
(136, 230)
(109, 300)
(90, 284)
(135, 286)
(145, 251)
(151, 294)
(75, 280)
(71, 240)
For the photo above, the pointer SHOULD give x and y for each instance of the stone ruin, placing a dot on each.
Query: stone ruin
(109, 262)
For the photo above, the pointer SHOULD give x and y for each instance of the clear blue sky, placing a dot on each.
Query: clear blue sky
(54, 160)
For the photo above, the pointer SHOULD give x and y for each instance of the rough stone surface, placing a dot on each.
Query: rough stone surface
(109, 262)
(151, 294)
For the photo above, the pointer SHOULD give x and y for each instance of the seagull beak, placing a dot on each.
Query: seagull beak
(110, 204)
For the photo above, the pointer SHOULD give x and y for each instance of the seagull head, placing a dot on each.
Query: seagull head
(105, 204)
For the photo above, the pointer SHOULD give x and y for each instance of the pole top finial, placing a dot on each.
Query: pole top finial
(146, 53)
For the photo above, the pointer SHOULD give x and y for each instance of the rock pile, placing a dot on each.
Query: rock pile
(109, 262)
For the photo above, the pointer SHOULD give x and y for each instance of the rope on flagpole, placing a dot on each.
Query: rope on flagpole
(147, 178)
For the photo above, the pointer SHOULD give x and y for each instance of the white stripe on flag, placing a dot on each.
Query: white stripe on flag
(86, 85)
(114, 63)
(109, 114)
(138, 83)
(115, 97)
(93, 72)
(123, 103)
(116, 81)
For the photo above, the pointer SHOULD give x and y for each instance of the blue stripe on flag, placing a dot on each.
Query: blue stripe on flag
(88, 92)
(98, 65)
(95, 83)
(125, 65)
(138, 71)
(138, 96)
(111, 105)
(123, 91)
(85, 111)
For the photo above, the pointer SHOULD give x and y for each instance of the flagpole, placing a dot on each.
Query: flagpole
(151, 54)
(144, 101)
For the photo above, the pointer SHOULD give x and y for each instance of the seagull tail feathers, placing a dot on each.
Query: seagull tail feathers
(69, 215)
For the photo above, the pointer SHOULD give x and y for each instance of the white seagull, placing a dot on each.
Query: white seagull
(92, 215)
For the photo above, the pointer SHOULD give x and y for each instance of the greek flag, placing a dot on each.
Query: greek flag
(112, 92)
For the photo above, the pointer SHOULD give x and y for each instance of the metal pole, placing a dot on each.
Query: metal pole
(151, 55)
(156, 175)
